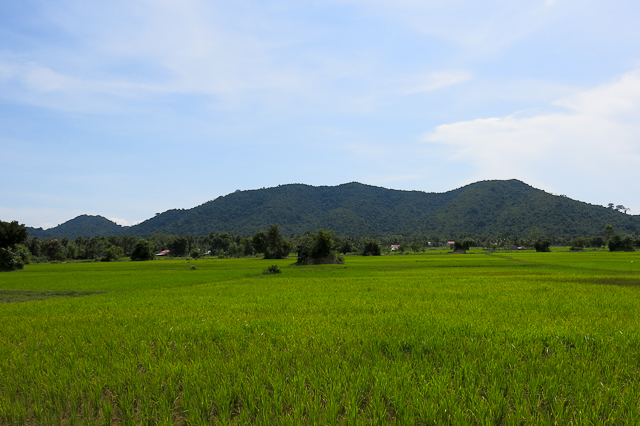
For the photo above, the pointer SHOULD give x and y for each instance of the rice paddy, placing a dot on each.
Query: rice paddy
(511, 338)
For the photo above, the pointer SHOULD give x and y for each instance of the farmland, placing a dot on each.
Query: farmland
(510, 338)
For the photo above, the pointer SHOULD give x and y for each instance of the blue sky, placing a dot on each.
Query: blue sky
(130, 108)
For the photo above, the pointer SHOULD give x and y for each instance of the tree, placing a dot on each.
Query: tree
(233, 250)
(371, 248)
(143, 250)
(113, 253)
(316, 249)
(462, 246)
(195, 253)
(178, 246)
(12, 233)
(542, 245)
(597, 241)
(54, 250)
(608, 232)
(277, 246)
(13, 255)
(620, 243)
(260, 241)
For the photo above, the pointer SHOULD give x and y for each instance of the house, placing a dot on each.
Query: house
(395, 247)
(163, 253)
(450, 244)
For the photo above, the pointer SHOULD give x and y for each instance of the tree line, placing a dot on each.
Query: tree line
(17, 248)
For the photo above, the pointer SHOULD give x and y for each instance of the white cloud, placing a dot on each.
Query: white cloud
(590, 152)
(440, 80)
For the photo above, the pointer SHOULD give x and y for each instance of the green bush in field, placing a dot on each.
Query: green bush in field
(143, 250)
(273, 269)
(620, 243)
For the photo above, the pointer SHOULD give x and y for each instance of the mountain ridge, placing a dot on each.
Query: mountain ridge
(491, 207)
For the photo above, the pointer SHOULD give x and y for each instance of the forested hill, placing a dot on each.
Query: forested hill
(82, 226)
(488, 208)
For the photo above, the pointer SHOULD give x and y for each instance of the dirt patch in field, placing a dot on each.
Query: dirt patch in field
(17, 296)
(622, 281)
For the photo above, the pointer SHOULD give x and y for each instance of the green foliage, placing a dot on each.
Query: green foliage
(543, 245)
(463, 245)
(273, 269)
(260, 243)
(53, 249)
(195, 253)
(113, 253)
(11, 259)
(12, 233)
(621, 243)
(277, 246)
(317, 248)
(143, 250)
(371, 248)
(490, 208)
(179, 246)
(597, 241)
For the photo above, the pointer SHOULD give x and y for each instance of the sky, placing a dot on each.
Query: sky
(126, 109)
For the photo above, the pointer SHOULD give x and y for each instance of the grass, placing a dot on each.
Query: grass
(505, 338)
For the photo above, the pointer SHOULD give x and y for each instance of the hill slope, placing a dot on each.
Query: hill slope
(486, 208)
(85, 226)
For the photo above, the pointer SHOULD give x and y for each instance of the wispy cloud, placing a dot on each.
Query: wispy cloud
(440, 80)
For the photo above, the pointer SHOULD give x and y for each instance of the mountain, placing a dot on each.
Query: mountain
(85, 226)
(487, 208)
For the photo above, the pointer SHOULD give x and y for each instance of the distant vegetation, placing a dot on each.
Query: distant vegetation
(506, 209)
(311, 248)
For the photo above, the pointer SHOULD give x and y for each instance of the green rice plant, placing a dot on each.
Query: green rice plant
(503, 338)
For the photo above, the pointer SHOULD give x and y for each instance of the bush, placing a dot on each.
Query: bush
(143, 250)
(273, 269)
(195, 253)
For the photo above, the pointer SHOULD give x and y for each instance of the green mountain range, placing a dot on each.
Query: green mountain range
(490, 208)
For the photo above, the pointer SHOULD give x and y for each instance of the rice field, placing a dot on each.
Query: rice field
(478, 339)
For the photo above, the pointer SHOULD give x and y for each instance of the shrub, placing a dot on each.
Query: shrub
(273, 269)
